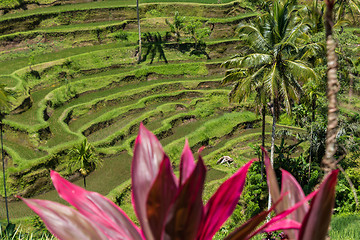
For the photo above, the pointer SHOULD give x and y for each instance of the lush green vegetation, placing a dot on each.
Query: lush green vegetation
(72, 74)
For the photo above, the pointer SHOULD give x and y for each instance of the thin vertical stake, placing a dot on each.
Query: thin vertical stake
(3, 163)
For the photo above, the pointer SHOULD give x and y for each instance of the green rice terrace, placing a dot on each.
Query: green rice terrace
(72, 70)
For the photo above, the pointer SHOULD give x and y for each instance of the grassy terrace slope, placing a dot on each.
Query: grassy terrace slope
(73, 77)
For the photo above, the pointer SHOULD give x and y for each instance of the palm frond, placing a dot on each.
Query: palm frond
(234, 75)
(254, 37)
(256, 60)
(233, 63)
(299, 70)
(270, 81)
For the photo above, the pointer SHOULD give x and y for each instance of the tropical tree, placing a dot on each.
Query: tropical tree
(274, 65)
(177, 26)
(313, 13)
(82, 157)
(344, 7)
(196, 31)
(4, 107)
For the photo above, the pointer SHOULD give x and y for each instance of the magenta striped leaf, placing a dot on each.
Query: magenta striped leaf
(316, 222)
(283, 225)
(283, 214)
(187, 163)
(272, 182)
(247, 228)
(148, 155)
(161, 195)
(295, 194)
(64, 222)
(102, 212)
(222, 203)
(186, 214)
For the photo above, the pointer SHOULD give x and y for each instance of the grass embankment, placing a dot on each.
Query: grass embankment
(124, 3)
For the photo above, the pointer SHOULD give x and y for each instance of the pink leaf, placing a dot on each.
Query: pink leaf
(272, 181)
(64, 222)
(295, 194)
(160, 197)
(316, 222)
(102, 212)
(186, 214)
(282, 225)
(187, 163)
(244, 231)
(284, 213)
(222, 203)
(148, 155)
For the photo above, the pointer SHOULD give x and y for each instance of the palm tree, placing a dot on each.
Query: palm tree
(314, 14)
(4, 107)
(343, 7)
(274, 64)
(84, 159)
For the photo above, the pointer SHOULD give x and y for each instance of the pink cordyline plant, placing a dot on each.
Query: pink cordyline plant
(172, 208)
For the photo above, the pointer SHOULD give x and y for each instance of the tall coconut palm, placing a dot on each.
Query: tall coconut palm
(274, 63)
(83, 159)
(4, 107)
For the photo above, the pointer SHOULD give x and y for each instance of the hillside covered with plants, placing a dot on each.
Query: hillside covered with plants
(228, 76)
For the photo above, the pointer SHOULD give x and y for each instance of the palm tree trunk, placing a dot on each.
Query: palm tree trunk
(272, 151)
(311, 151)
(311, 133)
(351, 86)
(313, 109)
(263, 139)
(84, 177)
(138, 19)
(329, 162)
(4, 178)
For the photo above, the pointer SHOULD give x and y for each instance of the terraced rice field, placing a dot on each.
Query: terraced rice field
(70, 84)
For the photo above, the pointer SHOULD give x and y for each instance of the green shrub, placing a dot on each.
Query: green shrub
(10, 3)
(121, 35)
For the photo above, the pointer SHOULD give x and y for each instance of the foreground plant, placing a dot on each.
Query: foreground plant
(167, 207)
(314, 220)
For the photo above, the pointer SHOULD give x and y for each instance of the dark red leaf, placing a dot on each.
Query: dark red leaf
(109, 218)
(187, 211)
(222, 203)
(161, 196)
(317, 220)
(64, 222)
